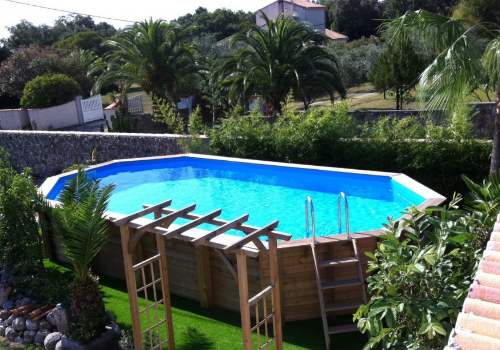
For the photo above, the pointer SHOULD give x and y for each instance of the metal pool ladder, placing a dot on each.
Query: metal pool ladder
(329, 288)
(346, 208)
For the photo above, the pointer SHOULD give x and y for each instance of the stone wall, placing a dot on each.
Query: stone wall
(49, 152)
(483, 120)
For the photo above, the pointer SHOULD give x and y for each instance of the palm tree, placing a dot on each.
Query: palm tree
(460, 65)
(83, 231)
(282, 57)
(151, 54)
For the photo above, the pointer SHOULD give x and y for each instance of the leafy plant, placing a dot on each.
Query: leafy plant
(49, 90)
(424, 266)
(122, 122)
(83, 232)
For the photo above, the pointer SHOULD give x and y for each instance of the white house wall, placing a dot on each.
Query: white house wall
(314, 15)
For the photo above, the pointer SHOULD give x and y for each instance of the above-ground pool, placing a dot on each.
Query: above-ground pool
(265, 190)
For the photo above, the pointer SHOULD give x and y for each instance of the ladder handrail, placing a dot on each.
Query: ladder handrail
(309, 200)
(344, 197)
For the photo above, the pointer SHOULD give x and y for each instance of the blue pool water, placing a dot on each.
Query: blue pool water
(265, 192)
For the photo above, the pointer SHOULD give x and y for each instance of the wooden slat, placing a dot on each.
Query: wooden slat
(321, 297)
(228, 262)
(224, 228)
(360, 272)
(337, 262)
(343, 329)
(343, 306)
(201, 220)
(251, 236)
(204, 277)
(141, 213)
(246, 327)
(260, 295)
(341, 284)
(219, 222)
(141, 230)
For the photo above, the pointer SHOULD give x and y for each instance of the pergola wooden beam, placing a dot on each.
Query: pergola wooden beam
(200, 220)
(141, 213)
(224, 228)
(250, 237)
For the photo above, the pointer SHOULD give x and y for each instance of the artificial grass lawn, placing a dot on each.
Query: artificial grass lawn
(215, 329)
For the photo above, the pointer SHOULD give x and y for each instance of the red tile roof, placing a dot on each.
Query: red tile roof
(478, 325)
(335, 36)
(303, 3)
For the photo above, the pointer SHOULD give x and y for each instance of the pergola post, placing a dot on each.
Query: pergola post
(276, 296)
(246, 327)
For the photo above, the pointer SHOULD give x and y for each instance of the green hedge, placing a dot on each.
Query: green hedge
(49, 90)
(329, 137)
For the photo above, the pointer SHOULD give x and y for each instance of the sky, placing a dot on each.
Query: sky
(12, 12)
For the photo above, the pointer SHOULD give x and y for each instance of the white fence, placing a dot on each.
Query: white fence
(92, 109)
(53, 118)
(14, 119)
(135, 104)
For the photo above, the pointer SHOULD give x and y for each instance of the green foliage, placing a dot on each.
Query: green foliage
(49, 90)
(354, 18)
(122, 122)
(479, 11)
(90, 325)
(395, 8)
(398, 70)
(90, 40)
(166, 112)
(424, 267)
(279, 59)
(80, 222)
(434, 156)
(19, 230)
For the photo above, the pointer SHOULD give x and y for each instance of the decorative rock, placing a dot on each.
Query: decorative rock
(59, 345)
(108, 340)
(10, 333)
(51, 318)
(4, 314)
(62, 316)
(44, 324)
(115, 327)
(2, 331)
(51, 340)
(32, 325)
(110, 316)
(23, 302)
(8, 305)
(18, 324)
(19, 340)
(8, 322)
(20, 334)
(29, 336)
(40, 336)
(4, 294)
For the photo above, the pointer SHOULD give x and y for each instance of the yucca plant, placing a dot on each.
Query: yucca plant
(82, 232)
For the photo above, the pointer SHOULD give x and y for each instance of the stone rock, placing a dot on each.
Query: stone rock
(62, 316)
(44, 324)
(20, 334)
(32, 325)
(59, 346)
(108, 340)
(110, 316)
(29, 336)
(50, 317)
(115, 327)
(18, 324)
(4, 314)
(23, 302)
(8, 322)
(4, 294)
(40, 336)
(19, 340)
(8, 305)
(51, 340)
(10, 333)
(2, 331)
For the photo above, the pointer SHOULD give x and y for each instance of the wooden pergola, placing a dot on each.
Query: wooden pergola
(147, 276)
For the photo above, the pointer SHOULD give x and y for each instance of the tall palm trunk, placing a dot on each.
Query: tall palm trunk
(495, 153)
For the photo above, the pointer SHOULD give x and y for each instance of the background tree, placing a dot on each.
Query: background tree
(398, 70)
(394, 8)
(90, 40)
(276, 60)
(478, 11)
(151, 54)
(459, 65)
(49, 90)
(354, 18)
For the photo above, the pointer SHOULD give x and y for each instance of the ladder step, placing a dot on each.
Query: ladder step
(343, 262)
(340, 284)
(343, 329)
(343, 306)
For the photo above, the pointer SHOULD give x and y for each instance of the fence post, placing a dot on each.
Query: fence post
(79, 110)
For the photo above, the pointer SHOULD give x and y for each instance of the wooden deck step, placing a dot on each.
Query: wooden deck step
(343, 306)
(336, 262)
(341, 284)
(343, 329)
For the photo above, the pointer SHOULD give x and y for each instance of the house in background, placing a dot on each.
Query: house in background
(303, 11)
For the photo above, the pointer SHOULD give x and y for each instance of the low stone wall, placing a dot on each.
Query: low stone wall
(49, 152)
(14, 119)
(483, 120)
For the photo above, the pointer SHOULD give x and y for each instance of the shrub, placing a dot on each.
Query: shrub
(49, 90)
(424, 267)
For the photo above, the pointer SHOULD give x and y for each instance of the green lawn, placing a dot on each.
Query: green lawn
(215, 329)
